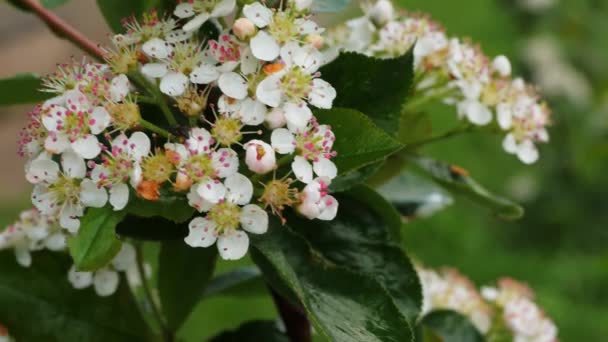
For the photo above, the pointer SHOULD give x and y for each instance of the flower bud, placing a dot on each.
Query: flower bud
(259, 157)
(381, 12)
(302, 5)
(275, 118)
(502, 65)
(315, 40)
(243, 28)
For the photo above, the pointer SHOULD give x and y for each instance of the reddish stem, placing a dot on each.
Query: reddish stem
(61, 27)
(296, 323)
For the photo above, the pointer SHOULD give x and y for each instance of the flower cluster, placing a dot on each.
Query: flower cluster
(454, 71)
(508, 308)
(238, 140)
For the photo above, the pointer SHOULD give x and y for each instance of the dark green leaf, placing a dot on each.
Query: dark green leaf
(46, 3)
(358, 141)
(21, 89)
(240, 282)
(151, 228)
(450, 326)
(342, 304)
(115, 10)
(39, 304)
(350, 179)
(183, 275)
(376, 87)
(96, 243)
(459, 182)
(328, 6)
(171, 206)
(263, 331)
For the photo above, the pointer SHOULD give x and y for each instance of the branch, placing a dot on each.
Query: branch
(296, 322)
(63, 29)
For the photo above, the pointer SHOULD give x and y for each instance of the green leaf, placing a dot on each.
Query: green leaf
(183, 275)
(459, 182)
(328, 6)
(151, 228)
(21, 89)
(358, 141)
(243, 281)
(171, 206)
(450, 326)
(115, 10)
(96, 243)
(263, 331)
(342, 304)
(414, 127)
(39, 304)
(352, 178)
(375, 87)
(46, 3)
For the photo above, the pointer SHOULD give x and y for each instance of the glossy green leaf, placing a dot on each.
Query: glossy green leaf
(171, 206)
(183, 275)
(21, 89)
(329, 6)
(46, 3)
(414, 127)
(151, 228)
(263, 331)
(362, 239)
(39, 304)
(96, 243)
(243, 281)
(358, 141)
(355, 177)
(450, 326)
(459, 182)
(376, 87)
(115, 10)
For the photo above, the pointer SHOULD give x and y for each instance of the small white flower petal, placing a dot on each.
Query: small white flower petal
(259, 14)
(264, 46)
(56, 242)
(92, 195)
(252, 112)
(329, 208)
(99, 120)
(202, 233)
(157, 48)
(297, 116)
(527, 152)
(23, 256)
(259, 157)
(212, 191)
(76, 101)
(139, 145)
(105, 282)
(199, 141)
(73, 165)
(154, 70)
(184, 10)
(233, 85)
(69, 218)
(283, 141)
(223, 8)
(509, 143)
(233, 245)
(196, 22)
(174, 84)
(325, 168)
(322, 94)
(302, 169)
(269, 91)
(225, 162)
(204, 74)
(87, 147)
(80, 280)
(239, 189)
(125, 259)
(56, 143)
(42, 171)
(197, 202)
(119, 88)
(254, 219)
(119, 196)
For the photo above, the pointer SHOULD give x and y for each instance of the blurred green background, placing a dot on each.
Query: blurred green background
(559, 248)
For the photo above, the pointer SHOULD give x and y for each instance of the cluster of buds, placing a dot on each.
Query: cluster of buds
(454, 71)
(240, 139)
(493, 310)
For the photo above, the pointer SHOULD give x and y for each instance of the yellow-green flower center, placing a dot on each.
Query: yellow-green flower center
(157, 168)
(200, 167)
(66, 190)
(283, 28)
(225, 215)
(227, 131)
(296, 84)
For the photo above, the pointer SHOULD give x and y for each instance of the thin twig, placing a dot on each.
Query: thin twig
(63, 29)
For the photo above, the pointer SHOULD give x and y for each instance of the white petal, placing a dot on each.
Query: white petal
(275, 118)
(80, 280)
(259, 157)
(105, 282)
(225, 162)
(42, 171)
(54, 118)
(297, 116)
(283, 141)
(199, 141)
(308, 58)
(202, 233)
(502, 65)
(212, 191)
(264, 46)
(157, 48)
(177, 36)
(87, 147)
(154, 70)
(325, 168)
(139, 145)
(119, 196)
(259, 14)
(322, 94)
(269, 91)
(527, 152)
(204, 74)
(475, 112)
(68, 219)
(23, 256)
(99, 120)
(249, 64)
(196, 22)
(125, 258)
(223, 8)
(239, 189)
(254, 219)
(306, 27)
(197, 202)
(119, 88)
(56, 242)
(73, 165)
(504, 116)
(233, 85)
(329, 208)
(233, 245)
(302, 169)
(76, 101)
(56, 143)
(252, 112)
(92, 195)
(184, 10)
(174, 84)
(288, 51)
(509, 143)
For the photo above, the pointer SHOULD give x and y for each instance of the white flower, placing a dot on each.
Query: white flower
(259, 157)
(122, 165)
(119, 88)
(224, 218)
(65, 193)
(203, 10)
(381, 12)
(277, 29)
(316, 203)
(73, 124)
(248, 111)
(502, 65)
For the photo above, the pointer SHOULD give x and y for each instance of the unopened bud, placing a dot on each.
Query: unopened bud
(275, 118)
(315, 40)
(259, 157)
(502, 65)
(382, 12)
(243, 28)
